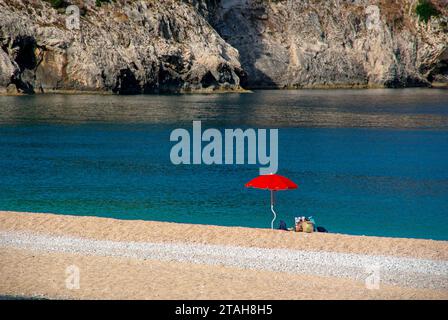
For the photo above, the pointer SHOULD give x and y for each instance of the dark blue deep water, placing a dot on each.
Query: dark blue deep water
(371, 162)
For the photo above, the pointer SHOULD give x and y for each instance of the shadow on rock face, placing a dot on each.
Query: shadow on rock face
(27, 61)
(25, 58)
(240, 31)
(208, 80)
(127, 83)
(439, 71)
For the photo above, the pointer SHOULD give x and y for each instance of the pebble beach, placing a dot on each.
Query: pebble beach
(128, 259)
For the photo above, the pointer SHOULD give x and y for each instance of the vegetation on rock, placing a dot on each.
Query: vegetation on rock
(99, 2)
(425, 10)
(56, 3)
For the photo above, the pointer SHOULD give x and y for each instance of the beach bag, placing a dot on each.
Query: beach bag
(282, 225)
(307, 226)
(321, 229)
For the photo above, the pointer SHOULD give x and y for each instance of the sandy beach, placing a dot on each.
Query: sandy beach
(124, 259)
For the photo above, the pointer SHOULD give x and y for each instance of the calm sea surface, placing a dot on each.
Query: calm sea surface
(371, 162)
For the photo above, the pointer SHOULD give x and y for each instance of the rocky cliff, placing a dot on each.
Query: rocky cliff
(199, 45)
(335, 43)
(124, 47)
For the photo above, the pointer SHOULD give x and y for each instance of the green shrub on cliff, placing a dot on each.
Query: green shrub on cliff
(99, 2)
(425, 10)
(56, 3)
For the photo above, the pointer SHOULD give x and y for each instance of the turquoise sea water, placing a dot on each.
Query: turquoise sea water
(371, 162)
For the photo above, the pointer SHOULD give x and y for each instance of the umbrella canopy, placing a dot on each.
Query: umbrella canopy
(272, 182)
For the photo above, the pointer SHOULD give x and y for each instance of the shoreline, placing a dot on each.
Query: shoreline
(204, 91)
(436, 86)
(201, 261)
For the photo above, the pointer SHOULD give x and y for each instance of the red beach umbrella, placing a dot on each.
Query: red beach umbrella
(272, 182)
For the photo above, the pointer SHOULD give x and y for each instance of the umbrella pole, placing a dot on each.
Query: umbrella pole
(272, 208)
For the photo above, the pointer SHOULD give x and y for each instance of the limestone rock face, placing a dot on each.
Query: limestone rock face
(123, 47)
(146, 46)
(335, 43)
(8, 69)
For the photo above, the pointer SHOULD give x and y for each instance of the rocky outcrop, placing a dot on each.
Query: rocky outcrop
(123, 47)
(335, 43)
(207, 45)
